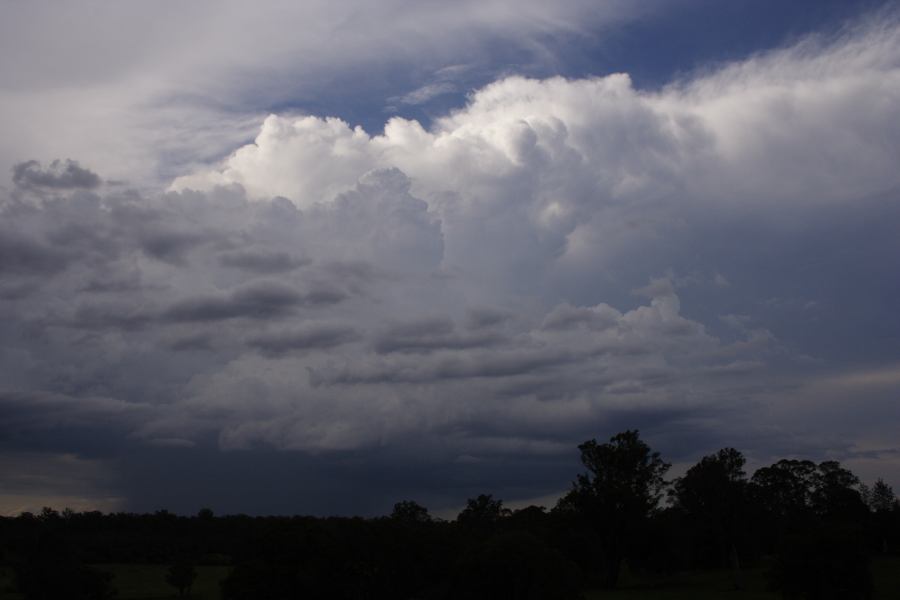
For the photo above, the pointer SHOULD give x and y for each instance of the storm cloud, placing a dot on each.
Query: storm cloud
(556, 260)
(59, 175)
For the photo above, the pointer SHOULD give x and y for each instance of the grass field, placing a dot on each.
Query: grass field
(703, 585)
(143, 582)
(6, 585)
(148, 582)
(689, 586)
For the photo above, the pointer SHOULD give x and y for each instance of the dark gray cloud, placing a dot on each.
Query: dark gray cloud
(121, 355)
(82, 422)
(428, 335)
(201, 341)
(170, 246)
(260, 261)
(110, 315)
(316, 336)
(479, 318)
(502, 364)
(567, 316)
(258, 300)
(58, 175)
(21, 255)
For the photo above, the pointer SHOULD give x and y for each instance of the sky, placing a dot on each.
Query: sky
(321, 257)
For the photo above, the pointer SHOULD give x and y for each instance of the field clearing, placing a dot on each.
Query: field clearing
(701, 585)
(689, 586)
(143, 582)
(148, 582)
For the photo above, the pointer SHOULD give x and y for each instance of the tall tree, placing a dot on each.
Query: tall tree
(621, 488)
(881, 501)
(835, 495)
(181, 576)
(881, 498)
(783, 492)
(482, 512)
(410, 511)
(713, 495)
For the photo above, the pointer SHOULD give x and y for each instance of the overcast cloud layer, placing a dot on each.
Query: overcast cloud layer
(330, 321)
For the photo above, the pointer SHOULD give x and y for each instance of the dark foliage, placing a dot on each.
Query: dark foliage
(714, 496)
(482, 514)
(181, 576)
(831, 563)
(46, 568)
(814, 523)
(515, 566)
(409, 511)
(616, 497)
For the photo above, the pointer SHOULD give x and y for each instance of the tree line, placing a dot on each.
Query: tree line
(815, 526)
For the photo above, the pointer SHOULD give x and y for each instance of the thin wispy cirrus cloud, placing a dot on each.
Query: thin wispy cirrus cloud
(217, 291)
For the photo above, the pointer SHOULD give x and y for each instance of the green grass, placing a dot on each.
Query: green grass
(711, 585)
(886, 574)
(148, 582)
(141, 582)
(7, 585)
(689, 586)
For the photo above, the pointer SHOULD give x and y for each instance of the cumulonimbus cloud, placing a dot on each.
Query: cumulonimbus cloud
(555, 258)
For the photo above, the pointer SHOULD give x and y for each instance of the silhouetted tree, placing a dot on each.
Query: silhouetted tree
(531, 518)
(881, 501)
(713, 494)
(819, 523)
(786, 487)
(48, 514)
(882, 497)
(622, 487)
(482, 513)
(822, 552)
(409, 511)
(783, 493)
(835, 494)
(181, 576)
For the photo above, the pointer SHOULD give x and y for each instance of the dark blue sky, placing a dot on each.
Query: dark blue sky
(675, 40)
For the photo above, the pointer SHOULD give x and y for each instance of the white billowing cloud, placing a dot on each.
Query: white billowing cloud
(817, 121)
(158, 88)
(576, 169)
(812, 115)
(319, 157)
